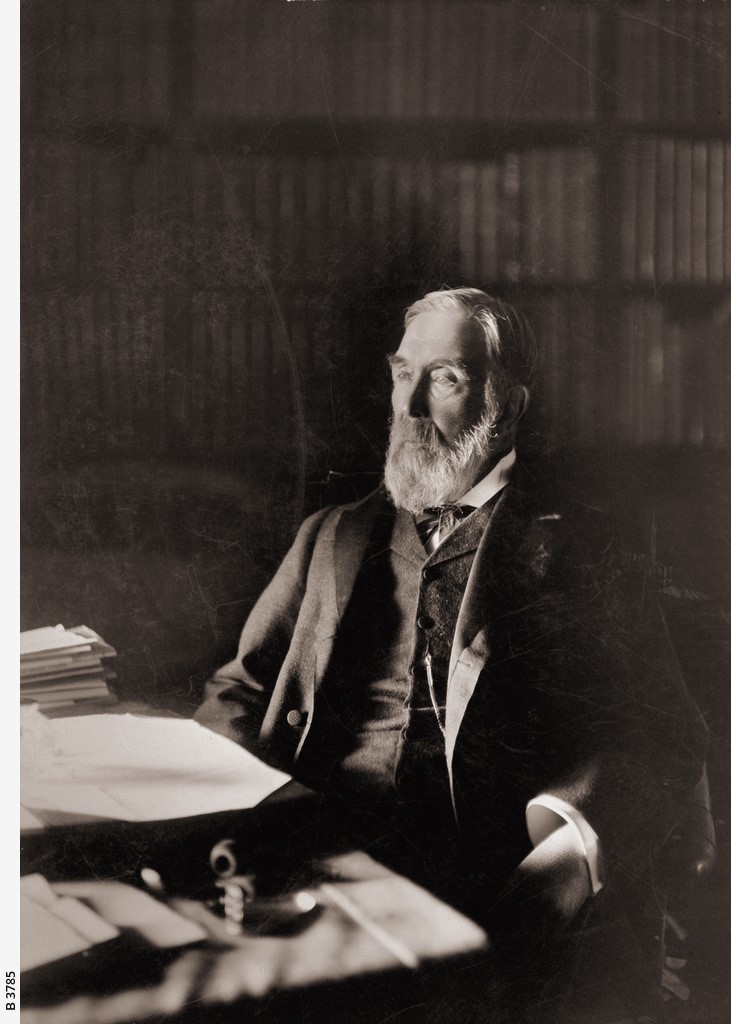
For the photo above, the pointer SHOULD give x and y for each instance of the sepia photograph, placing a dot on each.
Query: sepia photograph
(375, 512)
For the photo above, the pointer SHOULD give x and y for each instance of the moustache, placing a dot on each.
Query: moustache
(422, 433)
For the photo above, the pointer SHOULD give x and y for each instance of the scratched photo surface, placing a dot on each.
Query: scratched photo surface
(226, 208)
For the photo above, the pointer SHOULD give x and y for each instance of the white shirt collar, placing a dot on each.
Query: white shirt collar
(495, 480)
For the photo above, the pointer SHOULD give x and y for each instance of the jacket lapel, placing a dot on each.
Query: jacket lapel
(352, 533)
(486, 588)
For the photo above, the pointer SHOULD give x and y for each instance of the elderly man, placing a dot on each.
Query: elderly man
(463, 655)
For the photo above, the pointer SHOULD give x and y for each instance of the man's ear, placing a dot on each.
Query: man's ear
(515, 405)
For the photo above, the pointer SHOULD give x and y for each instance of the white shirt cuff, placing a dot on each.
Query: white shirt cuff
(544, 814)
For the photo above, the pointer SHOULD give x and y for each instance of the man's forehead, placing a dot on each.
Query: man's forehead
(443, 334)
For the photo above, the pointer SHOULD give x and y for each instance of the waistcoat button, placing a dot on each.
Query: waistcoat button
(295, 718)
(424, 622)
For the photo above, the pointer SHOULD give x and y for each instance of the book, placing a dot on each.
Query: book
(673, 383)
(683, 211)
(467, 207)
(629, 218)
(415, 57)
(509, 233)
(727, 211)
(582, 177)
(60, 666)
(646, 167)
(554, 221)
(665, 219)
(535, 256)
(715, 212)
(698, 212)
(397, 43)
(488, 180)
(435, 16)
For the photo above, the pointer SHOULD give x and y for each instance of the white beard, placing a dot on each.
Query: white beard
(423, 470)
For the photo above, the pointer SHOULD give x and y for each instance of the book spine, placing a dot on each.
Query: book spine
(591, 46)
(510, 218)
(665, 221)
(403, 194)
(673, 383)
(85, 208)
(377, 69)
(315, 236)
(583, 227)
(683, 206)
(103, 104)
(583, 335)
(721, 29)
(554, 337)
(157, 52)
(264, 194)
(628, 223)
(287, 214)
(488, 218)
(397, 47)
(727, 211)
(626, 390)
(219, 384)
(715, 212)
(467, 219)
(651, 76)
(699, 208)
(693, 376)
(671, 74)
(654, 371)
(435, 18)
(646, 209)
(334, 194)
(381, 203)
(257, 385)
(486, 69)
(362, 50)
(555, 219)
(534, 208)
(686, 65)
(510, 74)
(630, 56)
(415, 59)
(241, 411)
(715, 385)
(130, 63)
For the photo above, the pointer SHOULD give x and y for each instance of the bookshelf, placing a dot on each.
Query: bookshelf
(187, 162)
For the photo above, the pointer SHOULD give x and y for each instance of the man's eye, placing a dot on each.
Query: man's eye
(443, 380)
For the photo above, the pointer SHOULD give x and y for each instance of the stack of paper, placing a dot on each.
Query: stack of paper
(64, 667)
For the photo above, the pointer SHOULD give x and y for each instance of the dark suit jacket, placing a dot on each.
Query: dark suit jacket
(560, 681)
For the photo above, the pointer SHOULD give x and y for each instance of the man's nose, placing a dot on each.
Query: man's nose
(416, 402)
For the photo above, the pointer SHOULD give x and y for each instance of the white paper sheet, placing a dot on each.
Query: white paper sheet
(137, 768)
(53, 927)
(126, 907)
(49, 638)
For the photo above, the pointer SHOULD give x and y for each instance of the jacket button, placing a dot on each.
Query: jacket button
(431, 572)
(424, 622)
(295, 718)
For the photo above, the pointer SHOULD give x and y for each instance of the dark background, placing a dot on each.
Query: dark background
(226, 206)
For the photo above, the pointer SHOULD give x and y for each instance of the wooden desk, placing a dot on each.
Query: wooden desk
(376, 944)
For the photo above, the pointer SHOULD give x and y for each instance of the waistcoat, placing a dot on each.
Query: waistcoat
(377, 722)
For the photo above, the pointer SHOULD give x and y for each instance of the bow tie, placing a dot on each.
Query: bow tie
(434, 524)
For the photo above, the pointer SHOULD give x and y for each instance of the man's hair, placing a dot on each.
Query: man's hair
(512, 351)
